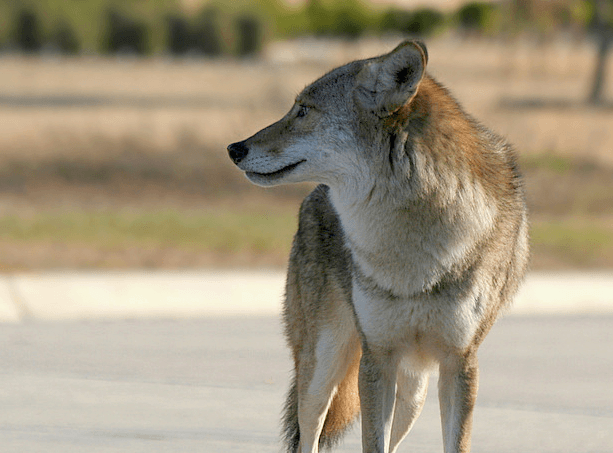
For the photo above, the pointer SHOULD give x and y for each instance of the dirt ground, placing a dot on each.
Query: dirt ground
(531, 93)
(90, 133)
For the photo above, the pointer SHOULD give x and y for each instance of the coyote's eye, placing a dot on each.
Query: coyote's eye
(303, 111)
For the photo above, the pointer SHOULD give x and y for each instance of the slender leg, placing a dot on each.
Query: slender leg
(377, 383)
(458, 385)
(332, 360)
(410, 398)
(312, 411)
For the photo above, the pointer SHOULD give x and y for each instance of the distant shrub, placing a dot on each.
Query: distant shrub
(180, 36)
(420, 22)
(424, 22)
(124, 34)
(214, 32)
(353, 19)
(583, 13)
(64, 39)
(318, 16)
(348, 24)
(476, 17)
(207, 33)
(395, 20)
(241, 27)
(249, 36)
(347, 19)
(27, 35)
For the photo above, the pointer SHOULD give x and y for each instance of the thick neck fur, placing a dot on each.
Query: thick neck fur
(423, 205)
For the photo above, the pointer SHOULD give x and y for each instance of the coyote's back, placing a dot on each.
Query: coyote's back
(405, 255)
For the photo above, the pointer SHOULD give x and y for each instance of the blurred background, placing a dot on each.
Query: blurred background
(115, 115)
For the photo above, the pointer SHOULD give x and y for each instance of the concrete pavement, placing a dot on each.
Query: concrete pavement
(78, 295)
(81, 295)
(196, 361)
(217, 384)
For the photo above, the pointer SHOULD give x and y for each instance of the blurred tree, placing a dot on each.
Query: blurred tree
(180, 37)
(65, 39)
(27, 35)
(346, 24)
(603, 26)
(425, 21)
(395, 20)
(351, 19)
(249, 36)
(318, 16)
(474, 18)
(207, 32)
(125, 35)
(421, 22)
(521, 12)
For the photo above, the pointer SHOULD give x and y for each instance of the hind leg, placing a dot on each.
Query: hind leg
(411, 389)
(334, 354)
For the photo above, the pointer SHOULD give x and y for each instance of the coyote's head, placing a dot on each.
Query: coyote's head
(337, 127)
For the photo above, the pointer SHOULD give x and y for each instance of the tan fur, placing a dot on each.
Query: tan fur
(404, 257)
(346, 402)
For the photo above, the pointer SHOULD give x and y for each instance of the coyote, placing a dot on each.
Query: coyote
(406, 254)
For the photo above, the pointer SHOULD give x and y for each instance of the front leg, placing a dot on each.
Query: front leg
(377, 386)
(458, 385)
(411, 389)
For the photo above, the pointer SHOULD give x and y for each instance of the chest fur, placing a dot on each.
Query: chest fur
(418, 326)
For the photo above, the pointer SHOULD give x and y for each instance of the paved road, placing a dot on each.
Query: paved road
(217, 385)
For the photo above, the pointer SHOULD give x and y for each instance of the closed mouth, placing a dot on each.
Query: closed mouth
(276, 173)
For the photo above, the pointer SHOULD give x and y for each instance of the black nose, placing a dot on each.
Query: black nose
(238, 151)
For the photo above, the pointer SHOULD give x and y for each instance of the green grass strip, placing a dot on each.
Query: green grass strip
(579, 243)
(212, 230)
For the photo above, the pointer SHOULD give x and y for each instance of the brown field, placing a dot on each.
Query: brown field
(90, 147)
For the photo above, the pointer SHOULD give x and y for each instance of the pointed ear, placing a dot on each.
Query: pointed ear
(387, 83)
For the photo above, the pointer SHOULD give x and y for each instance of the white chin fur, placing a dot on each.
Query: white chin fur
(262, 180)
(275, 179)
